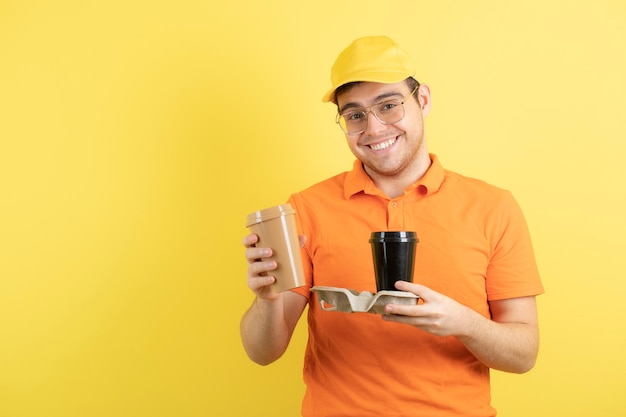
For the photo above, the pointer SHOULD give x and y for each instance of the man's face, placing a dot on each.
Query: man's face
(387, 150)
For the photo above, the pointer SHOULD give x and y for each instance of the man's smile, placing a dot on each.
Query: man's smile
(383, 145)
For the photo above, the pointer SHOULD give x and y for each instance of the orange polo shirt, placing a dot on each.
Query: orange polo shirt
(474, 246)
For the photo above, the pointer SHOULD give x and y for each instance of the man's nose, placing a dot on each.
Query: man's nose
(373, 124)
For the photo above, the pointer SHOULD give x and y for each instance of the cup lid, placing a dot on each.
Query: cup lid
(391, 236)
(269, 213)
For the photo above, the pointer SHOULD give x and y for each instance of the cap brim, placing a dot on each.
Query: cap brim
(387, 77)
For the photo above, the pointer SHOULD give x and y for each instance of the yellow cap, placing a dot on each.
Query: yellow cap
(374, 59)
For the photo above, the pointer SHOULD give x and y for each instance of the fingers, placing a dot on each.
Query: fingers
(260, 278)
(401, 310)
(253, 253)
(259, 267)
(436, 313)
(399, 318)
(407, 311)
(260, 283)
(250, 240)
(423, 292)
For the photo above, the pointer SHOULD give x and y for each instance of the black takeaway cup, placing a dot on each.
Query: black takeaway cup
(394, 256)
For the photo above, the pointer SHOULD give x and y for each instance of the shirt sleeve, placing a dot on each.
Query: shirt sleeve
(512, 270)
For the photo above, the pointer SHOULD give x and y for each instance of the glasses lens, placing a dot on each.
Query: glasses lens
(389, 112)
(353, 122)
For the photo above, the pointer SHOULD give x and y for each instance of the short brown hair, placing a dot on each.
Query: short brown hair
(411, 82)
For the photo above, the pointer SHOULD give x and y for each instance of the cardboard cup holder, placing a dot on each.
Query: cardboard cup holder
(351, 301)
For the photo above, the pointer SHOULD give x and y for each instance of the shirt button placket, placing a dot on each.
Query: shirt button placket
(394, 210)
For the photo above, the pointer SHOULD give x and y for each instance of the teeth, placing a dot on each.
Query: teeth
(383, 145)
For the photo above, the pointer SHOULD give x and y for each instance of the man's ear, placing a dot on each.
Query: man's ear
(423, 98)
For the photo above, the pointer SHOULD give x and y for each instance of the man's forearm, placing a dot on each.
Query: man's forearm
(509, 347)
(264, 331)
(503, 343)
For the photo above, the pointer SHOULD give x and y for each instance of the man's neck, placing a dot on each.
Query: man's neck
(394, 186)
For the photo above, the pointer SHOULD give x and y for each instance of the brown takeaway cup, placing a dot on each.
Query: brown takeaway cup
(276, 229)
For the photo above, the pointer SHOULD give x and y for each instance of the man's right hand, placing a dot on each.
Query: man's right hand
(260, 267)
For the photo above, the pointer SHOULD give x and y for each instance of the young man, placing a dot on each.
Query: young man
(475, 270)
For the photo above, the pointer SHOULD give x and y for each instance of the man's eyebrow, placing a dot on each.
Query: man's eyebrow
(377, 99)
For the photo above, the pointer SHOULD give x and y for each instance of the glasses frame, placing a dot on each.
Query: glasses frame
(369, 109)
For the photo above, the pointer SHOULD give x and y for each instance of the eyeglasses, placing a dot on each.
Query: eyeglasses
(354, 121)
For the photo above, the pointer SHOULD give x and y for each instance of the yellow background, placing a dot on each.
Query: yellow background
(136, 135)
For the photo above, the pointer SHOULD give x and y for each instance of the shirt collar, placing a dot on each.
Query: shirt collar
(358, 181)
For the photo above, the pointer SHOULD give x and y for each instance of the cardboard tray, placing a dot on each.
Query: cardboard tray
(351, 301)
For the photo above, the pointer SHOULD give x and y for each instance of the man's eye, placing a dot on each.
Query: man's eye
(389, 105)
(353, 117)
